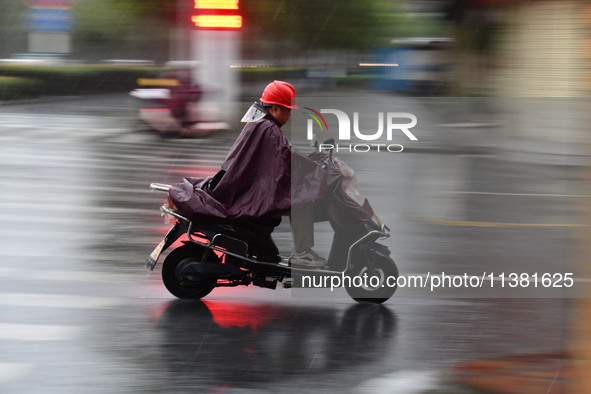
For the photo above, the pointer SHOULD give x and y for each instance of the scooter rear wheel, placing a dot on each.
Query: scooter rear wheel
(374, 283)
(175, 283)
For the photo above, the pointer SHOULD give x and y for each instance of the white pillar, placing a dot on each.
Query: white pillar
(217, 50)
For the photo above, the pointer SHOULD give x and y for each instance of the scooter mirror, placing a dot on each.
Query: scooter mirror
(330, 142)
(313, 141)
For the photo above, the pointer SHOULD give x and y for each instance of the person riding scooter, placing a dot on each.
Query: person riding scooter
(263, 177)
(181, 95)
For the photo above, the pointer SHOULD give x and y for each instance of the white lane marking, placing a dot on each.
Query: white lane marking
(408, 382)
(38, 332)
(64, 275)
(61, 220)
(58, 301)
(26, 207)
(216, 153)
(519, 194)
(14, 371)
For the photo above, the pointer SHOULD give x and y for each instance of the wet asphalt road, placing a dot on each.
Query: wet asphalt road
(80, 313)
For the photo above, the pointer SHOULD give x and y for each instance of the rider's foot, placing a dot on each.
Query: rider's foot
(307, 258)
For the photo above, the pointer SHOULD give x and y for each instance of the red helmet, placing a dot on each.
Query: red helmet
(280, 93)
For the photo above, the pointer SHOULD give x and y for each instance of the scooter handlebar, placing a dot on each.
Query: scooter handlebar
(160, 187)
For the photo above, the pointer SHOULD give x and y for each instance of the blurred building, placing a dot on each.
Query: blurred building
(517, 48)
(536, 55)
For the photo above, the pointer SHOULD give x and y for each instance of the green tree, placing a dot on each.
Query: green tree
(272, 28)
(123, 28)
(309, 25)
(13, 30)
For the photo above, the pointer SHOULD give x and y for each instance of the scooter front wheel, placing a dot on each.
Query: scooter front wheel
(175, 283)
(374, 281)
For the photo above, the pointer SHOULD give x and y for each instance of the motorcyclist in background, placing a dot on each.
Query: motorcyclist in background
(181, 95)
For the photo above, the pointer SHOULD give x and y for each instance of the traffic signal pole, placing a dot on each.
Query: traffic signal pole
(215, 42)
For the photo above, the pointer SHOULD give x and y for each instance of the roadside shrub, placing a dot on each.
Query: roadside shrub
(21, 81)
(12, 88)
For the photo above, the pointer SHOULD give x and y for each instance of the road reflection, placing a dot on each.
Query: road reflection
(221, 344)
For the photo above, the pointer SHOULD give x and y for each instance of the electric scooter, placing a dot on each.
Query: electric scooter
(221, 254)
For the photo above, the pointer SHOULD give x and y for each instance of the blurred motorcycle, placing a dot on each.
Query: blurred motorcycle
(175, 106)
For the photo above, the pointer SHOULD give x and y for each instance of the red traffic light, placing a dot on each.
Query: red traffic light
(216, 4)
(216, 14)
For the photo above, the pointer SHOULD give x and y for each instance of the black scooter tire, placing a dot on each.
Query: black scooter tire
(383, 268)
(173, 281)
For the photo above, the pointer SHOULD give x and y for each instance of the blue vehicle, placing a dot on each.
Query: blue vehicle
(418, 66)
